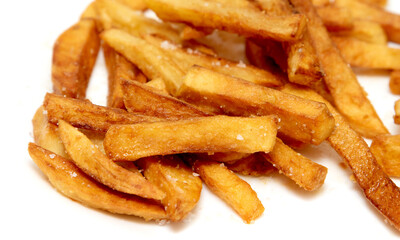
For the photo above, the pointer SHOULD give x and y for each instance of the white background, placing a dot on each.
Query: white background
(32, 208)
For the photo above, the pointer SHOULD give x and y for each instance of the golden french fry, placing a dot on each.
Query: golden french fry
(158, 85)
(303, 120)
(245, 21)
(366, 31)
(230, 188)
(134, 4)
(319, 3)
(394, 82)
(376, 185)
(348, 95)
(84, 114)
(336, 18)
(196, 135)
(90, 11)
(177, 180)
(94, 163)
(386, 149)
(72, 182)
(253, 165)
(397, 112)
(74, 55)
(381, 3)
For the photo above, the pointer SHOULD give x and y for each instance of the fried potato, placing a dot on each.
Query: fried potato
(397, 112)
(177, 180)
(245, 21)
(301, 119)
(381, 3)
(319, 3)
(158, 84)
(74, 55)
(84, 114)
(233, 190)
(336, 18)
(73, 183)
(348, 95)
(365, 31)
(90, 11)
(253, 165)
(394, 82)
(225, 157)
(376, 185)
(386, 149)
(362, 54)
(197, 135)
(119, 68)
(94, 163)
(139, 98)
(134, 4)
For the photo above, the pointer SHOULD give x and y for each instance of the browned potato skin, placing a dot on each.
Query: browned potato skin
(348, 95)
(233, 190)
(176, 179)
(252, 165)
(246, 21)
(366, 31)
(386, 149)
(394, 83)
(73, 183)
(378, 188)
(397, 112)
(84, 114)
(94, 163)
(74, 55)
(302, 120)
(196, 135)
(336, 18)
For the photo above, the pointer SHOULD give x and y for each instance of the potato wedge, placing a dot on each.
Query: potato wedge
(74, 55)
(196, 135)
(348, 95)
(84, 114)
(376, 185)
(94, 163)
(394, 83)
(336, 18)
(303, 120)
(75, 184)
(233, 190)
(366, 31)
(177, 180)
(397, 112)
(252, 165)
(245, 21)
(386, 149)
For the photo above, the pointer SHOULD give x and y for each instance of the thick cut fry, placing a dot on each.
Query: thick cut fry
(197, 135)
(348, 95)
(365, 31)
(336, 18)
(394, 82)
(386, 149)
(245, 21)
(397, 112)
(139, 98)
(381, 3)
(253, 165)
(234, 191)
(177, 180)
(74, 55)
(319, 3)
(72, 182)
(362, 54)
(377, 186)
(304, 172)
(134, 4)
(94, 163)
(84, 114)
(158, 84)
(118, 69)
(301, 119)
(90, 11)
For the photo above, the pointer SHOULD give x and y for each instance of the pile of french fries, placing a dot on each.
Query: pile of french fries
(179, 115)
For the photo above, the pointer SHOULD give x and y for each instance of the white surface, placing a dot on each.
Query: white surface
(31, 208)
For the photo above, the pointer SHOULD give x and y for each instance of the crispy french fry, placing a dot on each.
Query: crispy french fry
(139, 98)
(381, 3)
(301, 119)
(225, 157)
(233, 190)
(362, 54)
(348, 95)
(134, 4)
(376, 185)
(386, 149)
(197, 135)
(366, 31)
(90, 11)
(72, 182)
(397, 112)
(74, 55)
(319, 3)
(84, 114)
(394, 82)
(177, 180)
(188, 32)
(253, 165)
(94, 163)
(158, 84)
(119, 68)
(245, 21)
(336, 18)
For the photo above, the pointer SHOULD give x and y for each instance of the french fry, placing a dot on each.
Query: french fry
(73, 183)
(119, 68)
(394, 83)
(386, 149)
(158, 84)
(90, 11)
(177, 180)
(302, 120)
(84, 114)
(376, 185)
(397, 112)
(348, 95)
(225, 157)
(74, 55)
(134, 4)
(234, 191)
(362, 54)
(319, 3)
(197, 135)
(336, 18)
(245, 21)
(94, 163)
(253, 165)
(381, 3)
(366, 31)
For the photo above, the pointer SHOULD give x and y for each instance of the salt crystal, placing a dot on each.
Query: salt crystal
(73, 174)
(167, 45)
(241, 64)
(44, 112)
(239, 137)
(196, 174)
(52, 156)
